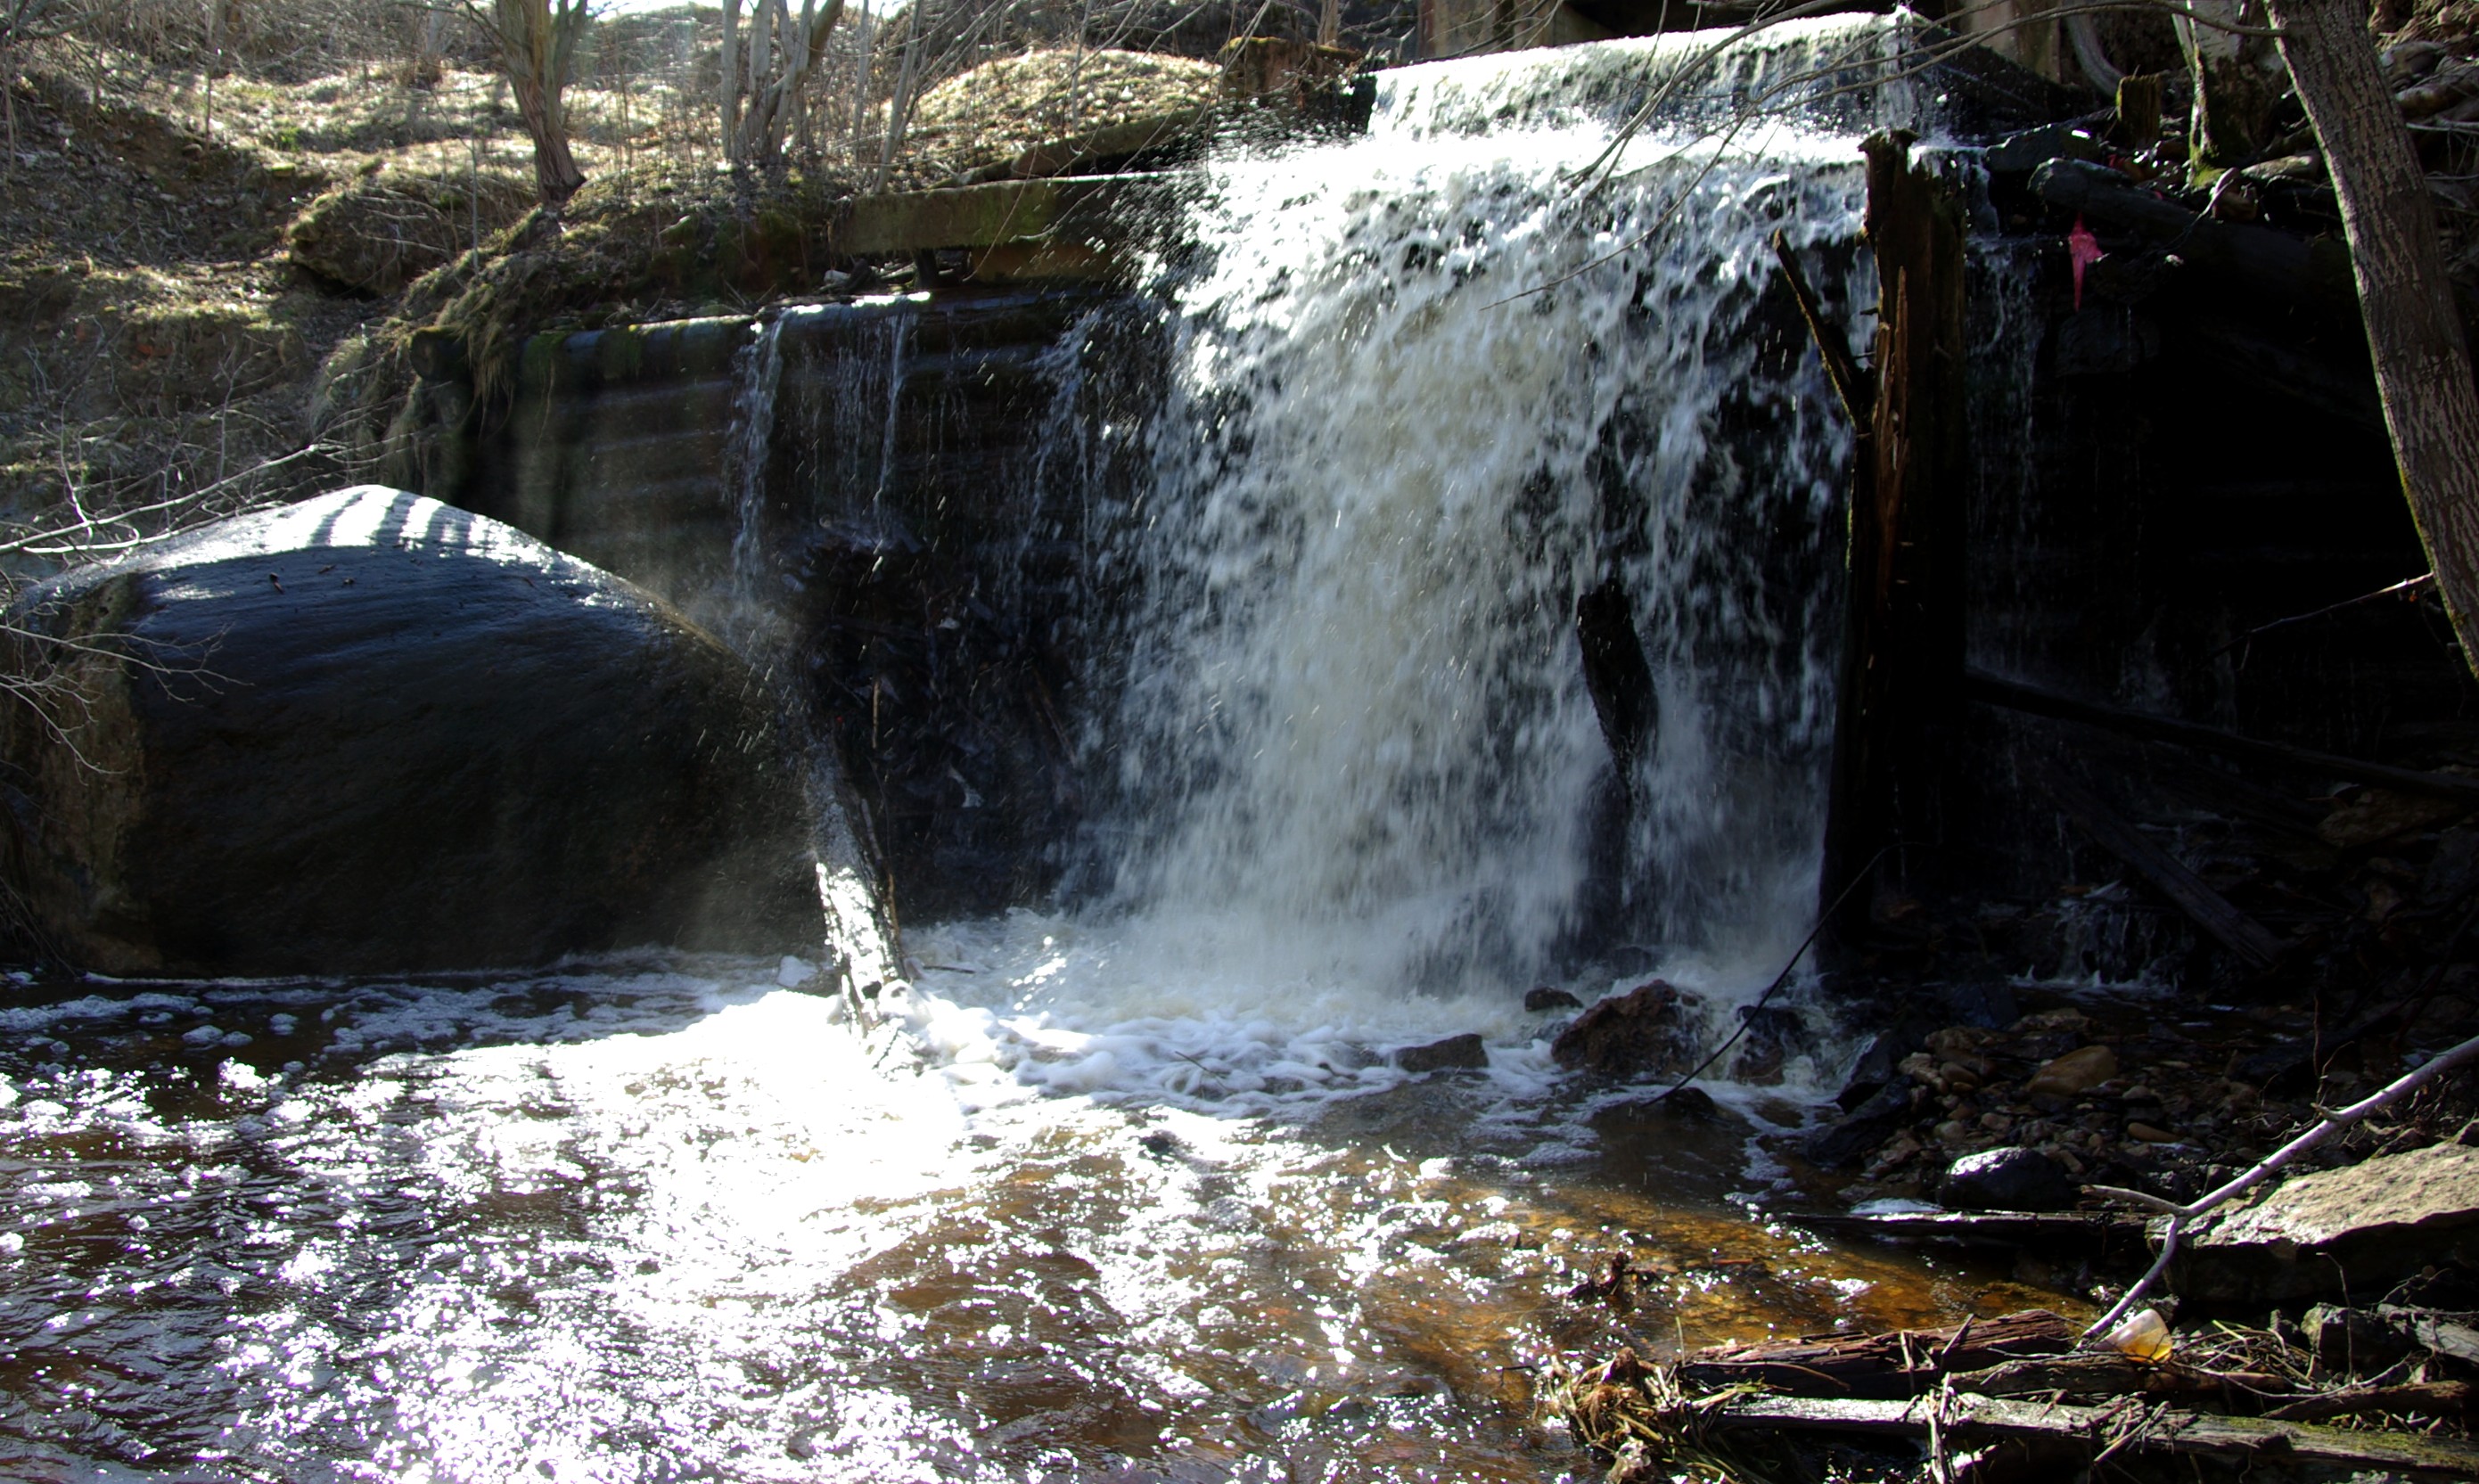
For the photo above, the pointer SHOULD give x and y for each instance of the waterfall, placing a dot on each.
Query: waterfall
(757, 377)
(1423, 392)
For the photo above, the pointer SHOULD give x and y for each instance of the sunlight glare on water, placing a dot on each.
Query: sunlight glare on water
(675, 1222)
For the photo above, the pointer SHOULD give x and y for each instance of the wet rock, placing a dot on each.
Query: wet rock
(2366, 816)
(1985, 1005)
(1773, 1036)
(371, 732)
(1877, 1068)
(2453, 872)
(2013, 1179)
(1463, 1053)
(2352, 1340)
(1849, 1139)
(2047, 1035)
(2353, 1230)
(1637, 1033)
(2074, 1072)
(1545, 999)
(1962, 1044)
(1689, 1102)
(2150, 1133)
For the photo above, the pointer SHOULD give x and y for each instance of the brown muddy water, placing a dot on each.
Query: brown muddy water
(675, 1220)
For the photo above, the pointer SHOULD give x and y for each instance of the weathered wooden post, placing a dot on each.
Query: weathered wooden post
(1902, 667)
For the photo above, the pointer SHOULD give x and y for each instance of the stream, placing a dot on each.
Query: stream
(675, 1220)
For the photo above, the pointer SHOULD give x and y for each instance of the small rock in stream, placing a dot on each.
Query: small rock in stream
(1466, 1053)
(1628, 1035)
(2074, 1072)
(2010, 1179)
(1546, 999)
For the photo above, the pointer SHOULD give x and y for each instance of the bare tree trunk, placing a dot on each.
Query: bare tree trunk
(2236, 80)
(215, 58)
(2414, 332)
(555, 173)
(536, 42)
(899, 106)
(731, 83)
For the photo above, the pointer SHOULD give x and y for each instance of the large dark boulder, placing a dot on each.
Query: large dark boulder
(2008, 1180)
(373, 733)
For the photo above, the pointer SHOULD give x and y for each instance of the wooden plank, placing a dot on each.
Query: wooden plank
(1902, 636)
(2194, 896)
(1972, 1419)
(2033, 701)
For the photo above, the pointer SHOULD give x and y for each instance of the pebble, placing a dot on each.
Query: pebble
(2150, 1135)
(2077, 1071)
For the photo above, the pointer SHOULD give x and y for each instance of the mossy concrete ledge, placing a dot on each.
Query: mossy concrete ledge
(1093, 210)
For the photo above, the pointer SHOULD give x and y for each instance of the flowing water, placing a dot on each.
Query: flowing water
(1128, 1189)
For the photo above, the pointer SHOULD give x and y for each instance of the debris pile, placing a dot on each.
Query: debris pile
(2015, 1396)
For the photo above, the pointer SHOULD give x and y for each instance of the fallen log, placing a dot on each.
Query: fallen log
(1965, 1420)
(2236, 930)
(1899, 1363)
(1851, 386)
(2102, 1233)
(2257, 260)
(2033, 701)
(2422, 1397)
(2093, 1375)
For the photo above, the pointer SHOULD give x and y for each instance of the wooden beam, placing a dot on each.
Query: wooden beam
(2033, 701)
(1902, 637)
(2236, 930)
(1857, 393)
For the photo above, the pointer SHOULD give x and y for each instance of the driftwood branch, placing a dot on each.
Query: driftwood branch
(2273, 1163)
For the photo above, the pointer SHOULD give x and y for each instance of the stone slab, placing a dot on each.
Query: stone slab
(2343, 1233)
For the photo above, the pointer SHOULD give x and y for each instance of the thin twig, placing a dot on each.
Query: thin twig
(2405, 588)
(2332, 1123)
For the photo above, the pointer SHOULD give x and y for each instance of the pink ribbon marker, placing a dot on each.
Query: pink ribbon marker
(2084, 250)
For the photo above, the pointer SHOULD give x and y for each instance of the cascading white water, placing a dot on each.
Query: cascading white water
(1427, 389)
